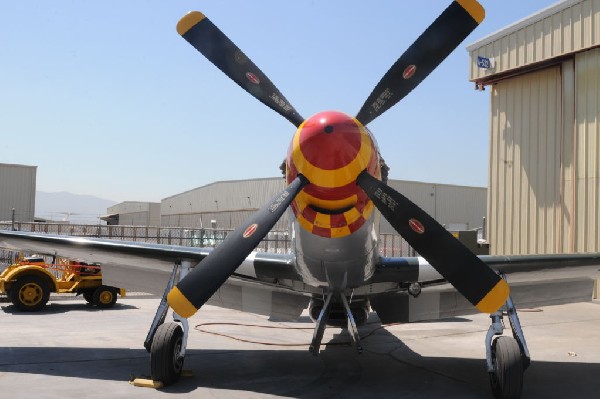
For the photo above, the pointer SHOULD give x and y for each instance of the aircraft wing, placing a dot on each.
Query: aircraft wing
(146, 267)
(535, 280)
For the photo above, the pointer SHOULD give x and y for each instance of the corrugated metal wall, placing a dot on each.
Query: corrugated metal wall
(452, 206)
(223, 196)
(230, 203)
(587, 151)
(17, 190)
(129, 207)
(565, 28)
(524, 200)
(134, 213)
(544, 194)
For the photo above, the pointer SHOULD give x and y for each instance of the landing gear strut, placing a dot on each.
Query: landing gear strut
(507, 357)
(324, 317)
(167, 342)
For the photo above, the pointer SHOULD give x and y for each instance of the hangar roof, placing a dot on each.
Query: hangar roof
(546, 37)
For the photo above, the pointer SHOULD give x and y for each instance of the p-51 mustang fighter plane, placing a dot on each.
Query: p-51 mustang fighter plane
(337, 191)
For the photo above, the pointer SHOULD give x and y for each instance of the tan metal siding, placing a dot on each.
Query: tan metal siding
(525, 145)
(567, 238)
(587, 150)
(566, 28)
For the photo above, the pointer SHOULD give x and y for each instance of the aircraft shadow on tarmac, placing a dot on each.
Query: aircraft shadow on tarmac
(387, 368)
(64, 307)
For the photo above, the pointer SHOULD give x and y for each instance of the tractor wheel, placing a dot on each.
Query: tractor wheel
(507, 378)
(105, 296)
(166, 361)
(88, 296)
(30, 293)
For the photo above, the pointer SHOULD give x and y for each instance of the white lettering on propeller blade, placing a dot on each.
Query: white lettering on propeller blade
(281, 102)
(278, 201)
(385, 199)
(382, 99)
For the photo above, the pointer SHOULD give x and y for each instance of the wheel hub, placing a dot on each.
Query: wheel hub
(106, 297)
(177, 359)
(31, 294)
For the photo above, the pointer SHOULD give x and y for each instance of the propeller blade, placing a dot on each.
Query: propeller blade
(201, 33)
(422, 57)
(475, 280)
(207, 277)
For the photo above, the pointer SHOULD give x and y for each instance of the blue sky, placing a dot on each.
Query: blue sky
(108, 100)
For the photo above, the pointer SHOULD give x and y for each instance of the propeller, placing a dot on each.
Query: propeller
(201, 33)
(422, 57)
(475, 280)
(205, 279)
(459, 266)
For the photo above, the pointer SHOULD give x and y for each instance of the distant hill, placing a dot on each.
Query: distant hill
(76, 208)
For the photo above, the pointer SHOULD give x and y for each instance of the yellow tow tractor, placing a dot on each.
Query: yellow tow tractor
(30, 280)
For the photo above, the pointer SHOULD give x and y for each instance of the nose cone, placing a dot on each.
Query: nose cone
(331, 149)
(330, 140)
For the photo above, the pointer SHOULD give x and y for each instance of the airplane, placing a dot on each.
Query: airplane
(336, 190)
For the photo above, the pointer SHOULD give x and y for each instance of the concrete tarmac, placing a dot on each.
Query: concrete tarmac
(71, 349)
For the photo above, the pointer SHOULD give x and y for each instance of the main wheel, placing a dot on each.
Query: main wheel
(105, 296)
(30, 293)
(166, 361)
(507, 380)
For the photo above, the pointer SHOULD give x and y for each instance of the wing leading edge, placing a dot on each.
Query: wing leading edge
(145, 267)
(535, 280)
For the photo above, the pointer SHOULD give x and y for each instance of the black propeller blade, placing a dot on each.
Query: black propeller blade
(201, 33)
(422, 57)
(205, 279)
(475, 280)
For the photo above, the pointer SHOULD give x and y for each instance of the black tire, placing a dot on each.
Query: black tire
(88, 296)
(30, 293)
(105, 296)
(507, 381)
(166, 362)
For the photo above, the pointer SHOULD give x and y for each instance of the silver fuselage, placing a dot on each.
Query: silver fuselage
(336, 263)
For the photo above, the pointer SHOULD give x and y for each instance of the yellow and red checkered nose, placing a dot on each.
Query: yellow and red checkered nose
(331, 149)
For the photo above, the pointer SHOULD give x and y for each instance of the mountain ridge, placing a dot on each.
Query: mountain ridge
(66, 206)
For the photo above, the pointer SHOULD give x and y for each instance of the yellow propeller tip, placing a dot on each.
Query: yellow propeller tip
(473, 8)
(494, 299)
(188, 21)
(180, 304)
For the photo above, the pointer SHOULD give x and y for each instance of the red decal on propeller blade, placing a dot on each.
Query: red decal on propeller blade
(250, 230)
(409, 71)
(252, 78)
(416, 226)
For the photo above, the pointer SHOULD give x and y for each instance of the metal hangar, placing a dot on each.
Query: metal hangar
(543, 75)
(17, 191)
(226, 204)
(133, 213)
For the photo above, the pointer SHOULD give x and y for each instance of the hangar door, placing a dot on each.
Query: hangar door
(544, 194)
(586, 163)
(525, 193)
